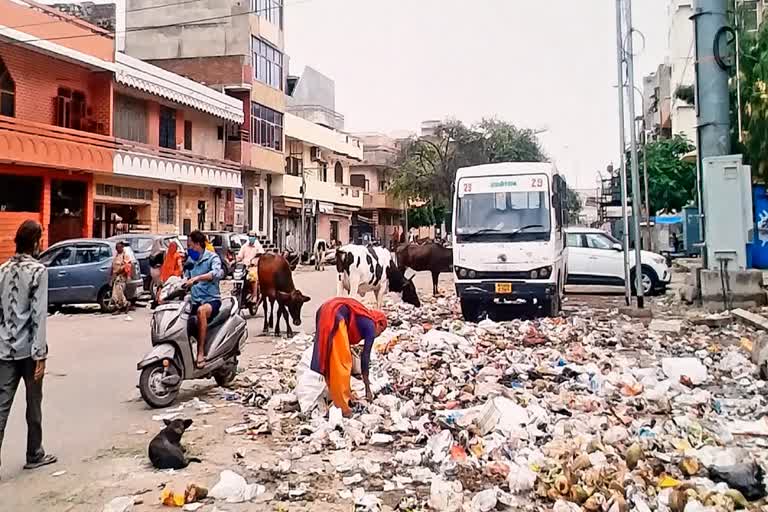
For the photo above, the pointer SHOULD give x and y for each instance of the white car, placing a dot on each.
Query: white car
(597, 258)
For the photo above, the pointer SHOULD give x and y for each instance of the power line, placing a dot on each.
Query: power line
(154, 27)
(138, 9)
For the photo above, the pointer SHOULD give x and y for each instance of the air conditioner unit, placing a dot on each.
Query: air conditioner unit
(314, 154)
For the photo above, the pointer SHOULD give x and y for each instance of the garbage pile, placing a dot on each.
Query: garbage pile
(592, 412)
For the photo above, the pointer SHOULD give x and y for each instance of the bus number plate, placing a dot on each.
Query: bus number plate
(503, 287)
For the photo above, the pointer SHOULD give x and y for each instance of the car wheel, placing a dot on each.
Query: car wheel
(105, 299)
(649, 279)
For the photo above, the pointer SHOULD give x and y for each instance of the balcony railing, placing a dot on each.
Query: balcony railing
(318, 114)
(30, 143)
(381, 201)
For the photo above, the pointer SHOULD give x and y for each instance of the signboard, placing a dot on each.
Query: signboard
(502, 184)
(325, 207)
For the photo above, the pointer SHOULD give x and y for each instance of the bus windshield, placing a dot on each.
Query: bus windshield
(502, 212)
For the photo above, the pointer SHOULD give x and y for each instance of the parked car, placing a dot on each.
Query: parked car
(141, 245)
(597, 258)
(79, 272)
(227, 245)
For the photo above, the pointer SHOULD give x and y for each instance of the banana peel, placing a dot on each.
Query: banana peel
(168, 498)
(666, 481)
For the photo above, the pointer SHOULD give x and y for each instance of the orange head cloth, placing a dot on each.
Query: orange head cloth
(171, 264)
(379, 320)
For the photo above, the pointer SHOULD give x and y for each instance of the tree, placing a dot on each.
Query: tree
(426, 166)
(573, 205)
(671, 182)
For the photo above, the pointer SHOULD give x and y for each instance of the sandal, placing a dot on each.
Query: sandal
(46, 460)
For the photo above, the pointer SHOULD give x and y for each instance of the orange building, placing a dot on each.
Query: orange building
(88, 136)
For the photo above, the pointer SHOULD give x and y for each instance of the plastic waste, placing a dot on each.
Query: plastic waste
(233, 488)
(446, 496)
(310, 385)
(521, 479)
(690, 367)
(746, 478)
(484, 501)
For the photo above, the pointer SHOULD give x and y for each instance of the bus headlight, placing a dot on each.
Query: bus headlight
(472, 274)
(534, 274)
(545, 272)
(462, 272)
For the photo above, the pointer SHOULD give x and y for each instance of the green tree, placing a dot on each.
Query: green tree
(573, 205)
(426, 166)
(671, 181)
(753, 61)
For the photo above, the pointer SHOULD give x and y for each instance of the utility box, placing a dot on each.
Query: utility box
(727, 189)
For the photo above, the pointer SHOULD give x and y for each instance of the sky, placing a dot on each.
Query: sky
(542, 64)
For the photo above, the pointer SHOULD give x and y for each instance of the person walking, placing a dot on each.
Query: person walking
(23, 343)
(121, 269)
(340, 323)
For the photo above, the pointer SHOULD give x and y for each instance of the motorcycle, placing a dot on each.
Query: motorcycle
(172, 358)
(242, 289)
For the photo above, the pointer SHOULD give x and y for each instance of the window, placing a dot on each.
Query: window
(130, 118)
(123, 192)
(20, 193)
(261, 209)
(267, 63)
(57, 257)
(574, 240)
(749, 18)
(266, 127)
(338, 173)
(92, 254)
(293, 166)
(270, 10)
(324, 171)
(70, 108)
(167, 208)
(7, 92)
(598, 241)
(188, 135)
(334, 231)
(167, 128)
(234, 243)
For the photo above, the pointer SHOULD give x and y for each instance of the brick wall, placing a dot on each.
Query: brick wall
(211, 71)
(38, 78)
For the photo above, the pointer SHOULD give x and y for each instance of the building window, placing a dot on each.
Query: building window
(188, 135)
(324, 171)
(70, 108)
(130, 118)
(167, 128)
(749, 15)
(270, 10)
(141, 194)
(338, 173)
(266, 127)
(293, 166)
(7, 92)
(267, 64)
(167, 208)
(20, 193)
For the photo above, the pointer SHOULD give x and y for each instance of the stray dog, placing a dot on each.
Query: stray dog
(166, 451)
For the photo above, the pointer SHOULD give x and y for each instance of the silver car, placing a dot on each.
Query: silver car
(79, 272)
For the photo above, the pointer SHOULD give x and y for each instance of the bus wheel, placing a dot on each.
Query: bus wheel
(470, 310)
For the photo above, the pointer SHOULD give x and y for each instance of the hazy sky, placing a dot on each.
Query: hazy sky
(537, 63)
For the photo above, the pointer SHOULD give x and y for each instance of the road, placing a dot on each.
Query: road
(90, 389)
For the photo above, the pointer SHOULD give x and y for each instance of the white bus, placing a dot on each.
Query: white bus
(509, 245)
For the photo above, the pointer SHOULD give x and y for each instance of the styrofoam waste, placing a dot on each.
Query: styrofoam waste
(691, 367)
(446, 496)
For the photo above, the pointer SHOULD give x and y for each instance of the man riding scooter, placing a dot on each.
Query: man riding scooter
(203, 278)
(249, 256)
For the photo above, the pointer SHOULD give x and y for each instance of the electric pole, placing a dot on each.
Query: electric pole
(635, 171)
(622, 149)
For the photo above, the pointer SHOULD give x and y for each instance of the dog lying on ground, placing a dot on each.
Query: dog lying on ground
(166, 451)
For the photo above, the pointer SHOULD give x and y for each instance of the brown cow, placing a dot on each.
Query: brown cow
(276, 284)
(420, 257)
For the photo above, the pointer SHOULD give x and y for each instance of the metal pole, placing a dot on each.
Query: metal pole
(622, 148)
(303, 212)
(635, 171)
(645, 185)
(738, 66)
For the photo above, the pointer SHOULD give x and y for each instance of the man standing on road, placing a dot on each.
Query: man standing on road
(203, 279)
(121, 269)
(290, 243)
(23, 344)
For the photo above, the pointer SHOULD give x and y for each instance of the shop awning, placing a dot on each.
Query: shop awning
(283, 205)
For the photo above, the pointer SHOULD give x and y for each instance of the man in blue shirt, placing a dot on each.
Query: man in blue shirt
(203, 278)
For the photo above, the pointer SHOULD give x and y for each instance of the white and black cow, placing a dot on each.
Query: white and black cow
(372, 269)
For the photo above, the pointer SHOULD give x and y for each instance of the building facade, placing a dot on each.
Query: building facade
(681, 54)
(382, 216)
(239, 50)
(96, 143)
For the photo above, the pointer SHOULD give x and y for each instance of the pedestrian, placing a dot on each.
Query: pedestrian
(23, 344)
(121, 269)
(340, 323)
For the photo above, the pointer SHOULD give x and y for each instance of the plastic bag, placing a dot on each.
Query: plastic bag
(233, 488)
(745, 478)
(310, 385)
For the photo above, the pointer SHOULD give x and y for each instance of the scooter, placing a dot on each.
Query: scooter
(243, 291)
(172, 358)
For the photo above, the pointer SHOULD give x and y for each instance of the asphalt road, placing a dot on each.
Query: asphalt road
(90, 389)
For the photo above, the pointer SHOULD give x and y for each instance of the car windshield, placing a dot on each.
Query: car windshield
(140, 244)
(503, 212)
